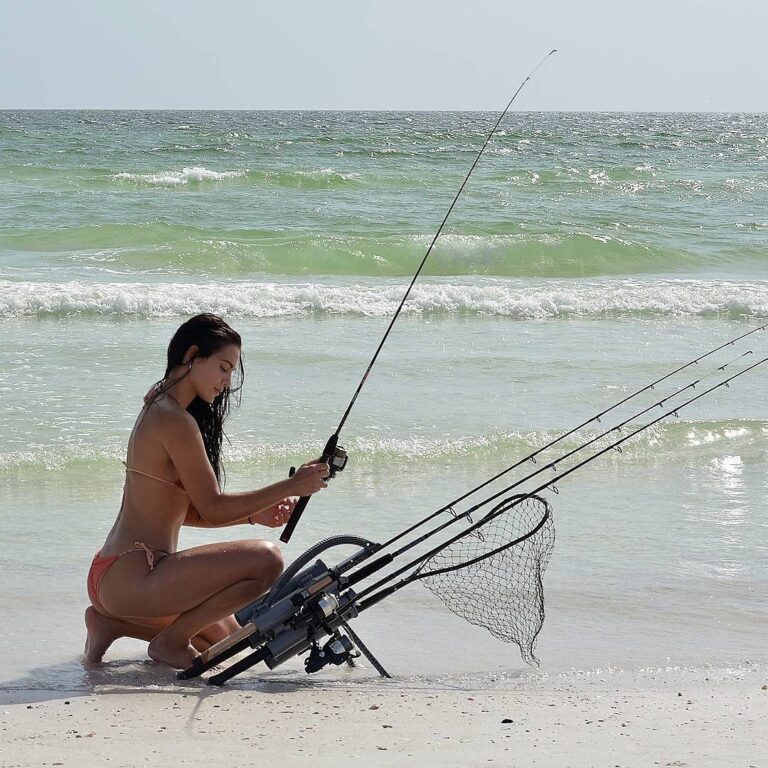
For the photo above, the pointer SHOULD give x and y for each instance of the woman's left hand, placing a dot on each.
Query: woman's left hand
(278, 515)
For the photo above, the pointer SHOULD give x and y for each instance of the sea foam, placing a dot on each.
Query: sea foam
(322, 177)
(178, 178)
(517, 299)
(655, 444)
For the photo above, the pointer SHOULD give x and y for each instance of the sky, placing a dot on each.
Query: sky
(613, 55)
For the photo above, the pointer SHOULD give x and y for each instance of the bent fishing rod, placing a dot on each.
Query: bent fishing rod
(333, 454)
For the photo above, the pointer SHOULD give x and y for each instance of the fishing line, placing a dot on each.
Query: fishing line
(330, 453)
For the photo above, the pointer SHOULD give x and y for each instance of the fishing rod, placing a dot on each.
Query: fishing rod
(389, 557)
(616, 445)
(596, 418)
(375, 548)
(333, 454)
(317, 601)
(520, 499)
(553, 464)
(372, 549)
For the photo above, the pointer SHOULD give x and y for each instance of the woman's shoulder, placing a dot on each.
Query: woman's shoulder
(165, 415)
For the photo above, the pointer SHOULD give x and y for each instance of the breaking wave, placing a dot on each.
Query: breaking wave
(662, 439)
(517, 299)
(178, 178)
(319, 178)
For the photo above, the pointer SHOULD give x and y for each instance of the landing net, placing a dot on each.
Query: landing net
(492, 577)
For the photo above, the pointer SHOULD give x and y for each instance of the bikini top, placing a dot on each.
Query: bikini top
(177, 484)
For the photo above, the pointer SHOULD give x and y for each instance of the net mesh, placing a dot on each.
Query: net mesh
(492, 577)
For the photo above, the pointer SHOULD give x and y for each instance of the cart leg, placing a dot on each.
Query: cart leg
(238, 667)
(199, 665)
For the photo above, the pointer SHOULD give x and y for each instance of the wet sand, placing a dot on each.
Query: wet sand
(650, 718)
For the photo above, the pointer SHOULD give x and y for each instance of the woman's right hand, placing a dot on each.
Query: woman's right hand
(310, 478)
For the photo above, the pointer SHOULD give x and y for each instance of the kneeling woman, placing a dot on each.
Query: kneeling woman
(139, 585)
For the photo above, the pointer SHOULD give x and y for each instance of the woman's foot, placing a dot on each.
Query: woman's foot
(164, 650)
(102, 632)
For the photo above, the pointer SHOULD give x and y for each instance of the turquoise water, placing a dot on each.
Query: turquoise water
(590, 254)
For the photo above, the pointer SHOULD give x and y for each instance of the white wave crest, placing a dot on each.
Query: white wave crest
(177, 178)
(518, 299)
(674, 437)
(324, 172)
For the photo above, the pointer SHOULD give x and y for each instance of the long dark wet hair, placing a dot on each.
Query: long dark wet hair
(209, 333)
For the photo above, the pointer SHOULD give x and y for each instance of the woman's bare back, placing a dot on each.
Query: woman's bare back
(155, 503)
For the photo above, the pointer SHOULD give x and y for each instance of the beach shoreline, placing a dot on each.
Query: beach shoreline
(599, 718)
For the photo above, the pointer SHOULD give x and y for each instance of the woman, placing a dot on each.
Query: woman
(139, 585)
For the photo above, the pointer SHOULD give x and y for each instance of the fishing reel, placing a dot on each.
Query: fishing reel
(338, 650)
(337, 458)
(336, 462)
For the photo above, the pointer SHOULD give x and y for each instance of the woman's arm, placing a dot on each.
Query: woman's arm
(272, 517)
(182, 440)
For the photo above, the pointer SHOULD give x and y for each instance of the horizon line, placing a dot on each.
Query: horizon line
(394, 109)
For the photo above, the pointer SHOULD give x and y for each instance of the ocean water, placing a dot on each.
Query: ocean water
(590, 255)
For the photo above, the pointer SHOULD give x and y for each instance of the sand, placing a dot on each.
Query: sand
(632, 719)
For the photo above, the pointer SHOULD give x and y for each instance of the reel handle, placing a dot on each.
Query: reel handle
(336, 458)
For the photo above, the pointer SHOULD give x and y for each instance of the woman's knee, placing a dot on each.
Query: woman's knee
(262, 561)
(270, 560)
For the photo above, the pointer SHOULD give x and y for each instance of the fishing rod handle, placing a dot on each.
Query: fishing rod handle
(293, 520)
(368, 569)
(328, 456)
